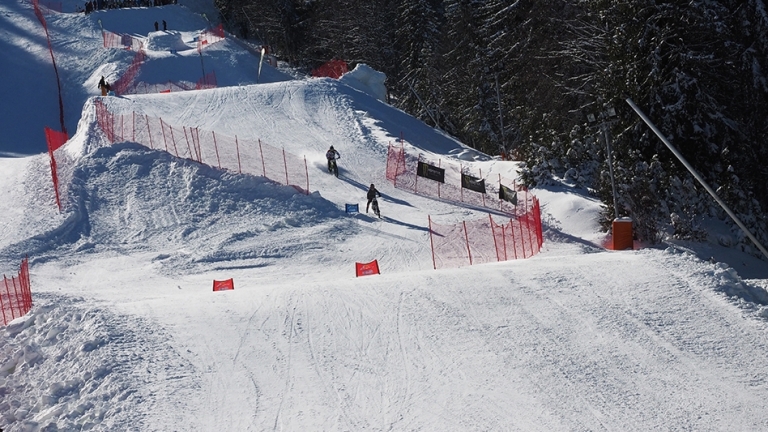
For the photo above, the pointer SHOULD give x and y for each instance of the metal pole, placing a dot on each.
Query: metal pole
(698, 177)
(437, 125)
(610, 168)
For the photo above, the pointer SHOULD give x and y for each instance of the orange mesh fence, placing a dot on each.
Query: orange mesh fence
(210, 36)
(122, 85)
(16, 294)
(208, 81)
(127, 84)
(246, 156)
(402, 168)
(121, 40)
(331, 69)
(39, 14)
(55, 140)
(483, 240)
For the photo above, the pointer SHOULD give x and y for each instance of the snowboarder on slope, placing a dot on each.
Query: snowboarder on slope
(372, 193)
(331, 155)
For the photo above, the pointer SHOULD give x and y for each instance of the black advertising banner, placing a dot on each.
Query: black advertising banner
(431, 172)
(472, 183)
(507, 194)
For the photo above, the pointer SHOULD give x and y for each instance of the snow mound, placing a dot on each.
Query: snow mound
(89, 365)
(367, 80)
(199, 214)
(166, 41)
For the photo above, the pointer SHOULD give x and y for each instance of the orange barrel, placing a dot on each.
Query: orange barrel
(622, 234)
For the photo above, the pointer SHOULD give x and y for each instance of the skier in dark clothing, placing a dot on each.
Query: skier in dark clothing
(332, 155)
(165, 26)
(156, 26)
(372, 193)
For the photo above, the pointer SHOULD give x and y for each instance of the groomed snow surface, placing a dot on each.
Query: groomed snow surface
(126, 333)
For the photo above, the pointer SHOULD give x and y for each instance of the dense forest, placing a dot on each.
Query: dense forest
(525, 77)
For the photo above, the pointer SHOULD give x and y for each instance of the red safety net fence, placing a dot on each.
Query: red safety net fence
(55, 140)
(331, 69)
(16, 294)
(39, 14)
(127, 83)
(210, 36)
(206, 82)
(402, 172)
(121, 40)
(483, 240)
(245, 156)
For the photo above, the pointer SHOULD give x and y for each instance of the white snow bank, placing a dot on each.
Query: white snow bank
(367, 80)
(166, 41)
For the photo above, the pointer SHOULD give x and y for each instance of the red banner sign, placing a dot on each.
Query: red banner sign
(366, 269)
(223, 285)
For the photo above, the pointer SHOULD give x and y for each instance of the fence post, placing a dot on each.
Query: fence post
(495, 243)
(149, 132)
(216, 146)
(466, 236)
(2, 305)
(263, 165)
(504, 242)
(397, 166)
(237, 148)
(306, 173)
(173, 140)
(529, 222)
(285, 164)
(431, 243)
(196, 143)
(24, 282)
(186, 138)
(162, 127)
(539, 232)
(16, 298)
(133, 119)
(522, 236)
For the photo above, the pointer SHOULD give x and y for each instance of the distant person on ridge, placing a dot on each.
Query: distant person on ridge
(331, 155)
(156, 26)
(103, 86)
(372, 193)
(165, 26)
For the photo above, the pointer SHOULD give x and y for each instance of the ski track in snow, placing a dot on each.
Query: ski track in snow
(126, 333)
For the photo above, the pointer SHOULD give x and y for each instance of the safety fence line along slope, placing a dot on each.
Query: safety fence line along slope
(403, 170)
(484, 241)
(16, 294)
(244, 156)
